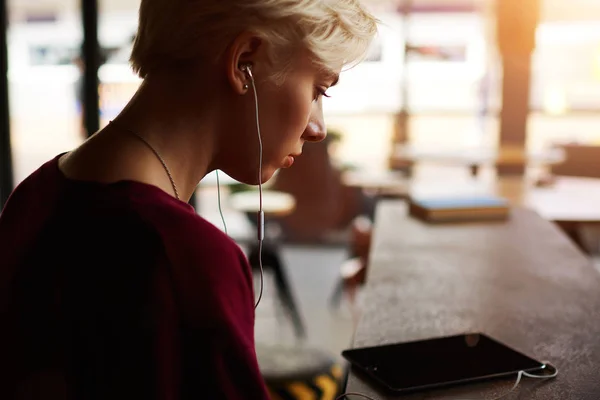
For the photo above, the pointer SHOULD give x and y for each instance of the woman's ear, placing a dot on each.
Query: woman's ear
(246, 50)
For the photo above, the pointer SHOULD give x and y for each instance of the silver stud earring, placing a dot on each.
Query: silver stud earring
(246, 86)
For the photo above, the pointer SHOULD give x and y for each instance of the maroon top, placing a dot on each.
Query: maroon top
(120, 291)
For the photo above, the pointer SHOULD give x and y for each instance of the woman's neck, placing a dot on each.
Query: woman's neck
(169, 118)
(182, 131)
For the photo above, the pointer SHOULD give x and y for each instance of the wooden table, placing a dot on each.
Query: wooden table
(520, 281)
(380, 183)
(275, 203)
(476, 157)
(570, 202)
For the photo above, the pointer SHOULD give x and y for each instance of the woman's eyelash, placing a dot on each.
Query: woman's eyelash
(321, 92)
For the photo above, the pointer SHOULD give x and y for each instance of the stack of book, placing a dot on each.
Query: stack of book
(457, 209)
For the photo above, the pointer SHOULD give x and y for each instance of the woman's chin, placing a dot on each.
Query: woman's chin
(249, 177)
(253, 180)
(268, 174)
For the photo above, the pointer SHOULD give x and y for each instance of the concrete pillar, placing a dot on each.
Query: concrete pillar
(402, 117)
(517, 21)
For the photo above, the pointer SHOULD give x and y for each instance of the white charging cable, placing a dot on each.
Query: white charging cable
(520, 376)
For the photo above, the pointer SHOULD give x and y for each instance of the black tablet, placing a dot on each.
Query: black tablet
(439, 362)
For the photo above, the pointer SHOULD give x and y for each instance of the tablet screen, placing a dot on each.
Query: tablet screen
(440, 362)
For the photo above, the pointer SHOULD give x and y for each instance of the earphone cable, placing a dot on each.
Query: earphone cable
(261, 214)
(219, 201)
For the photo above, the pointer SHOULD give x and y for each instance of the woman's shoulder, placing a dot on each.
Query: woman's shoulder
(171, 216)
(209, 269)
(183, 231)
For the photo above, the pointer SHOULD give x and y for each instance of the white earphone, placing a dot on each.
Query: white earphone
(247, 68)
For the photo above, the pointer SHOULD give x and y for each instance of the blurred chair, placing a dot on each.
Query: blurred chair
(299, 372)
(275, 205)
(323, 203)
(353, 272)
(583, 161)
(272, 261)
(580, 160)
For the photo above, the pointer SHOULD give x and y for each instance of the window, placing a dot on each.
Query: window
(43, 44)
(117, 23)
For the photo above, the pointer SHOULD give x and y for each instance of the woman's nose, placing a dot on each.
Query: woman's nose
(315, 131)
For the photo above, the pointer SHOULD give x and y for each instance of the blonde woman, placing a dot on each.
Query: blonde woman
(116, 288)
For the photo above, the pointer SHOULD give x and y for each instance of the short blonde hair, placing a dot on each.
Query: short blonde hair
(336, 32)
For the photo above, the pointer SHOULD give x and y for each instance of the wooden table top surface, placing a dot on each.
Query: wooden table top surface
(521, 281)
